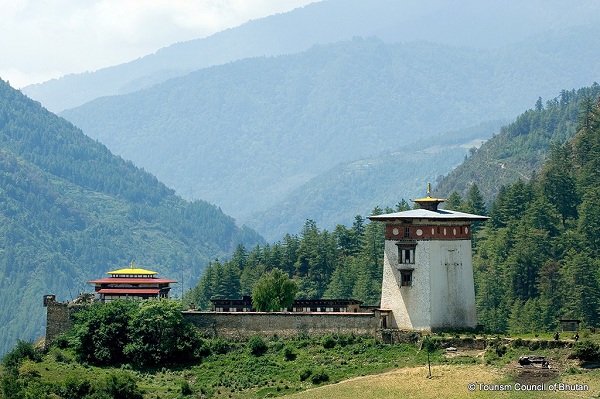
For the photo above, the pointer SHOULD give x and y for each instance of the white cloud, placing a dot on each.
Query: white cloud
(40, 40)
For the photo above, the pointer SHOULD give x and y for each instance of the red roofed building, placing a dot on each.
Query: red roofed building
(132, 283)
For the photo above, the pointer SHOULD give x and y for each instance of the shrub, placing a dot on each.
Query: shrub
(586, 350)
(23, 350)
(328, 342)
(219, 346)
(74, 388)
(319, 377)
(414, 337)
(62, 342)
(305, 374)
(59, 356)
(186, 390)
(257, 345)
(289, 354)
(500, 350)
(122, 386)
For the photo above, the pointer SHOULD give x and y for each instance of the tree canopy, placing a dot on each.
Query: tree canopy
(273, 291)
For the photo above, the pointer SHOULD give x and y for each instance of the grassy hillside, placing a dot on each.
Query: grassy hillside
(246, 134)
(326, 367)
(71, 211)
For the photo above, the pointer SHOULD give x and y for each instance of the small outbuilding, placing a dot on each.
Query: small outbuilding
(569, 324)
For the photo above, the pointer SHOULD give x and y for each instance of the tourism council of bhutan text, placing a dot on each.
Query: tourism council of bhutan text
(558, 386)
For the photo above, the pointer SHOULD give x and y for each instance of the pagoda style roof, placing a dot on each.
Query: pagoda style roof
(132, 275)
(438, 214)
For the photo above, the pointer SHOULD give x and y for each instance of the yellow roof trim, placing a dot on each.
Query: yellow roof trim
(132, 271)
(428, 199)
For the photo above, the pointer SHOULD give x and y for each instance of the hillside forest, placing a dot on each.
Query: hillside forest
(70, 211)
(536, 259)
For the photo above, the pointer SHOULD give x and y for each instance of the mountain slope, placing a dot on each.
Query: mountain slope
(246, 134)
(355, 188)
(71, 211)
(521, 147)
(467, 23)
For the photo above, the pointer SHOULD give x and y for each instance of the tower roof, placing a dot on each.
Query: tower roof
(429, 210)
(438, 214)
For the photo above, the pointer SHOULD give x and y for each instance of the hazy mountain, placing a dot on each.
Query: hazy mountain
(355, 188)
(471, 23)
(70, 211)
(246, 134)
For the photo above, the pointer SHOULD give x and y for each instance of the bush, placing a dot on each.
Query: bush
(305, 374)
(257, 345)
(59, 356)
(23, 350)
(320, 377)
(289, 354)
(328, 342)
(62, 342)
(500, 350)
(74, 388)
(186, 390)
(586, 350)
(219, 346)
(122, 386)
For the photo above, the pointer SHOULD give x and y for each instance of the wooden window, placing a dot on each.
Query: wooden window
(406, 255)
(406, 278)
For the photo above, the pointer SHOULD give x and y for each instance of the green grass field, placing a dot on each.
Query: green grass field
(343, 367)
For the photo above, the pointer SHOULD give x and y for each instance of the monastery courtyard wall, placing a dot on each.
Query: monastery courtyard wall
(241, 325)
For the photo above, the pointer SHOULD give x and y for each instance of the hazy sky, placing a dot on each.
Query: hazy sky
(44, 39)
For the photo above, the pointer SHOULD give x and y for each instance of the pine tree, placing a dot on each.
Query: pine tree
(475, 203)
(454, 202)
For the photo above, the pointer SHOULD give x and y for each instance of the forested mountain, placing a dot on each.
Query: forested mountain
(519, 149)
(468, 23)
(70, 211)
(246, 134)
(536, 259)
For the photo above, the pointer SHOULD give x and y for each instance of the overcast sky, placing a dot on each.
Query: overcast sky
(45, 39)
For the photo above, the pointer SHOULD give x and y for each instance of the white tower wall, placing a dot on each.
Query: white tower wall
(441, 294)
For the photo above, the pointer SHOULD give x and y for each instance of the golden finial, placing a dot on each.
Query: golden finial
(428, 202)
(132, 264)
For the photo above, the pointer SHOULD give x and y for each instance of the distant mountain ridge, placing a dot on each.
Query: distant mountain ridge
(70, 211)
(246, 134)
(469, 23)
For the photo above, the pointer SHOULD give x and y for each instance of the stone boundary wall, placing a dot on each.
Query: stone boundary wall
(242, 325)
(58, 318)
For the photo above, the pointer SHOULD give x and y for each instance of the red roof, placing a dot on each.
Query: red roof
(131, 280)
(129, 291)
